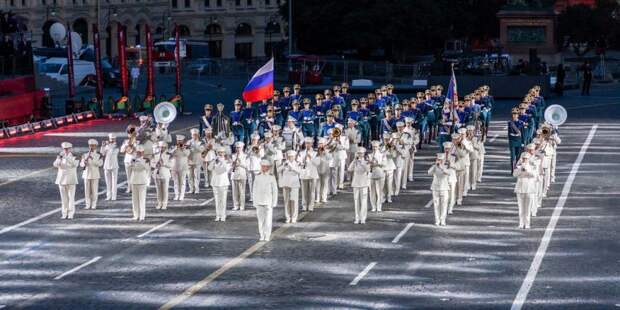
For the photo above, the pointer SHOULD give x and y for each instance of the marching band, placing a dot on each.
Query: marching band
(309, 150)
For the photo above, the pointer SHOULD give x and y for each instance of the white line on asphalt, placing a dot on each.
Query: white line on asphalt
(428, 204)
(206, 202)
(95, 259)
(363, 273)
(519, 300)
(25, 176)
(155, 228)
(402, 233)
(44, 215)
(494, 137)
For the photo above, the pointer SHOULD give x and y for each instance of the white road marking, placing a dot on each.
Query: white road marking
(154, 228)
(25, 176)
(44, 215)
(402, 233)
(428, 204)
(206, 202)
(82, 134)
(362, 274)
(94, 260)
(494, 137)
(519, 300)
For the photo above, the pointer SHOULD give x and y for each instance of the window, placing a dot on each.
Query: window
(243, 50)
(526, 34)
(219, 3)
(243, 29)
(43, 2)
(12, 2)
(188, 4)
(237, 2)
(249, 2)
(267, 2)
(207, 3)
(23, 3)
(175, 4)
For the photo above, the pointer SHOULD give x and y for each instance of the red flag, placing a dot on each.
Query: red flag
(122, 60)
(149, 63)
(70, 76)
(98, 71)
(177, 58)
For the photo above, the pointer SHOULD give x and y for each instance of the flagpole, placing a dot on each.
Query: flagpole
(452, 101)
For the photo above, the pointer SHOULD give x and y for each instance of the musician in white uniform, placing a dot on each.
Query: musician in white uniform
(128, 148)
(66, 179)
(239, 176)
(211, 145)
(91, 162)
(308, 174)
(360, 182)
(255, 155)
(180, 167)
(526, 188)
(139, 179)
(289, 170)
(219, 168)
(196, 148)
(440, 188)
(389, 166)
(292, 135)
(265, 198)
(355, 138)
(377, 176)
(340, 157)
(474, 157)
(161, 165)
(415, 140)
(403, 147)
(450, 159)
(109, 149)
(323, 160)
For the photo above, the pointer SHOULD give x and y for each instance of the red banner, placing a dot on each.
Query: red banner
(149, 63)
(122, 60)
(98, 71)
(177, 58)
(70, 76)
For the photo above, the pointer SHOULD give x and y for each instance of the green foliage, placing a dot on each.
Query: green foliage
(580, 23)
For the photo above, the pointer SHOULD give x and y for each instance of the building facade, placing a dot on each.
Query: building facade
(234, 28)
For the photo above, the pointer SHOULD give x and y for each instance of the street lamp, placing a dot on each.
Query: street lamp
(271, 24)
(50, 10)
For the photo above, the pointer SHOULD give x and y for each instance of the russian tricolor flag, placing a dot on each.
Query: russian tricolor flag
(260, 85)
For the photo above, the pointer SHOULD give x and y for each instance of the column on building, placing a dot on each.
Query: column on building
(258, 48)
(228, 43)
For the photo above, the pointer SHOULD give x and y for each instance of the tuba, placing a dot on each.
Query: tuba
(555, 115)
(165, 112)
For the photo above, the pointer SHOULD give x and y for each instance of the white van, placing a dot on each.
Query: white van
(57, 68)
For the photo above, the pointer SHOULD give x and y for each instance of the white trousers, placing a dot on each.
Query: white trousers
(341, 166)
(333, 179)
(161, 187)
(440, 204)
(264, 214)
(179, 180)
(461, 179)
(404, 174)
(376, 193)
(410, 167)
(322, 188)
(138, 201)
(251, 176)
(525, 204)
(360, 197)
(111, 182)
(467, 185)
(67, 199)
(553, 163)
(308, 192)
(388, 189)
(473, 174)
(480, 167)
(91, 193)
(207, 175)
(452, 198)
(291, 202)
(194, 178)
(398, 180)
(128, 174)
(238, 193)
(220, 194)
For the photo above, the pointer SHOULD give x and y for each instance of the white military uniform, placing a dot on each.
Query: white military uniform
(377, 179)
(389, 167)
(308, 176)
(355, 137)
(110, 169)
(91, 162)
(66, 179)
(289, 182)
(219, 182)
(525, 189)
(254, 159)
(462, 167)
(360, 182)
(161, 165)
(415, 140)
(180, 168)
(474, 162)
(452, 179)
(239, 176)
(402, 163)
(196, 148)
(128, 149)
(481, 150)
(138, 181)
(441, 190)
(323, 168)
(340, 160)
(265, 198)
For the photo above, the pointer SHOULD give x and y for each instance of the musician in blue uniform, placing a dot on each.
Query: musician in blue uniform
(308, 127)
(431, 119)
(398, 113)
(444, 131)
(329, 124)
(276, 104)
(206, 120)
(344, 93)
(391, 97)
(263, 107)
(320, 111)
(515, 138)
(328, 100)
(266, 123)
(339, 100)
(524, 117)
(374, 115)
(295, 113)
(297, 93)
(236, 123)
(249, 121)
(486, 102)
(285, 103)
(363, 124)
(388, 123)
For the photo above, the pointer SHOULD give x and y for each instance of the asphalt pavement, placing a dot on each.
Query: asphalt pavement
(180, 258)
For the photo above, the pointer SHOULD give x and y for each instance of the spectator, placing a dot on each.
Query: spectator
(135, 75)
(559, 83)
(587, 78)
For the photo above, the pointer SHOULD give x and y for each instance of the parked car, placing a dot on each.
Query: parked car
(57, 68)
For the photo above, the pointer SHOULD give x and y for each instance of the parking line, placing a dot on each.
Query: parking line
(402, 233)
(94, 260)
(519, 300)
(362, 274)
(155, 228)
(44, 215)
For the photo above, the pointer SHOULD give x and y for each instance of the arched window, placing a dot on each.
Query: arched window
(213, 29)
(243, 29)
(80, 26)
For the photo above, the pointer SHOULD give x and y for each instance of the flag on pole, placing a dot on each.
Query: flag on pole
(70, 75)
(260, 85)
(452, 93)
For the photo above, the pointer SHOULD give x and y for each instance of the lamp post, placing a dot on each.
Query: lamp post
(271, 24)
(50, 10)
